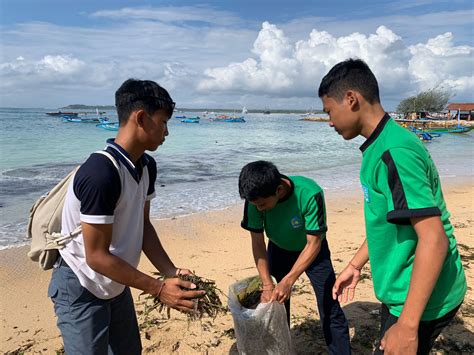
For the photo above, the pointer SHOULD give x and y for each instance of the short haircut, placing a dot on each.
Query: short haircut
(258, 179)
(145, 95)
(351, 74)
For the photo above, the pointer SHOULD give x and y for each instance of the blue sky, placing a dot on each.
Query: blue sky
(229, 53)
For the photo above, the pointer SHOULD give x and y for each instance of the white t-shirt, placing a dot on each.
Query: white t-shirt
(101, 194)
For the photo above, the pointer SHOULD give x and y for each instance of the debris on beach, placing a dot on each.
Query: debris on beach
(207, 305)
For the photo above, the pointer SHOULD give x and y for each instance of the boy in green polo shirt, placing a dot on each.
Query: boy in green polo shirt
(291, 211)
(416, 267)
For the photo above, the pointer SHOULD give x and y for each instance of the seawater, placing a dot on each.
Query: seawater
(199, 164)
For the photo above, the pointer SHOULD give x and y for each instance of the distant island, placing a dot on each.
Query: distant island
(88, 107)
(184, 109)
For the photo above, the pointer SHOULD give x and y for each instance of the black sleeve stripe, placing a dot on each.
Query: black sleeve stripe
(97, 186)
(244, 226)
(403, 216)
(395, 184)
(321, 211)
(318, 232)
(245, 220)
(151, 167)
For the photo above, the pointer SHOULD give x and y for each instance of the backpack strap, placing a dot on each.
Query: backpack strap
(57, 240)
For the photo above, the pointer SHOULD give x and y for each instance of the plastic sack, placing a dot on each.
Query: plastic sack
(263, 330)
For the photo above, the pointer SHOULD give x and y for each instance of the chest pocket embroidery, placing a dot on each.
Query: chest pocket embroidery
(296, 222)
(366, 193)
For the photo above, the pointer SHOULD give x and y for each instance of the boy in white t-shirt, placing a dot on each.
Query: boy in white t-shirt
(111, 201)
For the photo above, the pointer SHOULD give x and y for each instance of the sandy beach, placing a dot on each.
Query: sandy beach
(214, 246)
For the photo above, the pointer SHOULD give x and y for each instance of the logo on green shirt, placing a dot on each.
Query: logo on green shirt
(296, 222)
(366, 193)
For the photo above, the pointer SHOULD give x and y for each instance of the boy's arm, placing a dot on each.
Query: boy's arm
(346, 282)
(261, 261)
(311, 250)
(430, 254)
(97, 239)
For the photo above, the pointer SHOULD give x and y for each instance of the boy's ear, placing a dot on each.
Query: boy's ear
(140, 116)
(352, 99)
(279, 191)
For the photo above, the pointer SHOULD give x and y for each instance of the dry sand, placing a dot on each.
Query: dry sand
(214, 246)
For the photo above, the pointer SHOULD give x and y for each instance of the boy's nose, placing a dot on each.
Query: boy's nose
(331, 124)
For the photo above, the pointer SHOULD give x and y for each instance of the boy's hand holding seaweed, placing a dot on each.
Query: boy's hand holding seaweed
(177, 293)
(188, 293)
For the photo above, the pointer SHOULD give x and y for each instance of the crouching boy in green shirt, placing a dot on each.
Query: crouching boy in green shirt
(291, 211)
(416, 267)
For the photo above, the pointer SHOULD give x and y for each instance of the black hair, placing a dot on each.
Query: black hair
(351, 74)
(145, 95)
(258, 179)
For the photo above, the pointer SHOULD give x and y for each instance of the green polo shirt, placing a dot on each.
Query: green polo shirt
(400, 181)
(300, 213)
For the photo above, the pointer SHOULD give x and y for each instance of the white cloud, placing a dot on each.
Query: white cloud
(201, 13)
(207, 57)
(287, 69)
(439, 63)
(59, 66)
(295, 69)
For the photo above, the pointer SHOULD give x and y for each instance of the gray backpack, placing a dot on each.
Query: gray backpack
(44, 223)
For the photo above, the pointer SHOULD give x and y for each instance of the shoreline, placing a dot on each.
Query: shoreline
(447, 181)
(214, 246)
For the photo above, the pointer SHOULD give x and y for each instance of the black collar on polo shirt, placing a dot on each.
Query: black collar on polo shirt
(375, 133)
(292, 189)
(122, 155)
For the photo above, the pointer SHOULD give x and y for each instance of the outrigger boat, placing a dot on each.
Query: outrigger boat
(59, 113)
(225, 118)
(421, 126)
(75, 119)
(191, 119)
(109, 126)
(427, 137)
(85, 118)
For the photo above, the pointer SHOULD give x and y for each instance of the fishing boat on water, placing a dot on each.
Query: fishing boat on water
(225, 118)
(434, 127)
(191, 119)
(230, 119)
(442, 130)
(108, 126)
(75, 119)
(427, 137)
(59, 113)
(85, 118)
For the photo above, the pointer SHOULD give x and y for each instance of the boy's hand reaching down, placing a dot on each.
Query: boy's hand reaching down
(282, 291)
(346, 282)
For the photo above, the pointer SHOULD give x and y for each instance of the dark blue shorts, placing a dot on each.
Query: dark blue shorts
(90, 325)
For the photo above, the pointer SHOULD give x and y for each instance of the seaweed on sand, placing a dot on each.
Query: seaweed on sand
(207, 305)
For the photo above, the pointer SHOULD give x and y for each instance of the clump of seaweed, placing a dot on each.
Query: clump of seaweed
(207, 305)
(251, 300)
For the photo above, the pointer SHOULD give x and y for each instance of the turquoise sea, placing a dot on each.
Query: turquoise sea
(199, 164)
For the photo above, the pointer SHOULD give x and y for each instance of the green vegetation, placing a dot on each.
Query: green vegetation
(433, 100)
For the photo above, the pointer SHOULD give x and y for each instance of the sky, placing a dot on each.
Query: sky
(230, 54)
